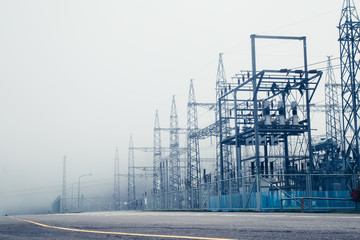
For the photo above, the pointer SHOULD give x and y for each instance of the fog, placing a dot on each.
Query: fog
(78, 77)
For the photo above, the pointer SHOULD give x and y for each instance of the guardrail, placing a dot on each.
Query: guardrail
(314, 198)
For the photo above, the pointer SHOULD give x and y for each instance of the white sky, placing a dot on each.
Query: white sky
(78, 77)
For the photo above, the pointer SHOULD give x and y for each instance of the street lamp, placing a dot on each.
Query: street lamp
(72, 197)
(79, 188)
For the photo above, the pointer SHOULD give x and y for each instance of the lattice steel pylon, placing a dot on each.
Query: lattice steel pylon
(221, 87)
(131, 176)
(116, 196)
(157, 155)
(174, 158)
(349, 36)
(63, 197)
(193, 153)
(332, 111)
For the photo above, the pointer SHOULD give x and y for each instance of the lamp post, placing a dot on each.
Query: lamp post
(72, 197)
(79, 189)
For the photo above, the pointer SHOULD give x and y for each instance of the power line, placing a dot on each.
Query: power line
(316, 63)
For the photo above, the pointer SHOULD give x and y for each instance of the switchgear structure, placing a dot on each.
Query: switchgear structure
(268, 125)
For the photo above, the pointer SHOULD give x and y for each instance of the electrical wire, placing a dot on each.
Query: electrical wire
(316, 63)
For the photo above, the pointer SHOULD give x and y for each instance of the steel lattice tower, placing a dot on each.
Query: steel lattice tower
(221, 86)
(63, 199)
(193, 156)
(116, 181)
(175, 178)
(349, 27)
(332, 111)
(131, 176)
(157, 155)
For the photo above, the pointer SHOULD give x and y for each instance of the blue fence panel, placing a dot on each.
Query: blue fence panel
(332, 203)
(272, 200)
(213, 203)
(225, 201)
(236, 201)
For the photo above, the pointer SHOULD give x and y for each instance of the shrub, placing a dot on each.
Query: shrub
(355, 194)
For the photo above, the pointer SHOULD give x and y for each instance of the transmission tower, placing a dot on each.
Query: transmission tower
(157, 154)
(116, 181)
(63, 200)
(193, 156)
(131, 176)
(174, 158)
(333, 127)
(349, 28)
(221, 87)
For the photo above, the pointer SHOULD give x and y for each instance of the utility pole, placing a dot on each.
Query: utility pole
(349, 31)
(63, 199)
(117, 200)
(131, 176)
(89, 174)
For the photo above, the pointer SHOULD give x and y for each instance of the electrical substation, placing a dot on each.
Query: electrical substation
(266, 155)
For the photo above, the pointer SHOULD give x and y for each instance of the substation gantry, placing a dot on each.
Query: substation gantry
(266, 124)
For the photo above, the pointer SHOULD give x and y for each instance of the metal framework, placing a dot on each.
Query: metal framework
(263, 119)
(193, 175)
(156, 155)
(211, 130)
(193, 155)
(174, 157)
(332, 110)
(224, 153)
(327, 152)
(270, 135)
(116, 196)
(264, 115)
(131, 176)
(349, 33)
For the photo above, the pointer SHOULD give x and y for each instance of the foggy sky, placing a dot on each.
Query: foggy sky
(78, 77)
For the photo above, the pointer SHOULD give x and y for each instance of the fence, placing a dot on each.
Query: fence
(261, 193)
(93, 204)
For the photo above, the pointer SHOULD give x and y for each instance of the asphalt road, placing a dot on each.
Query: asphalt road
(180, 225)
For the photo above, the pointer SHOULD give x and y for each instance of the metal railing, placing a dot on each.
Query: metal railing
(303, 206)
